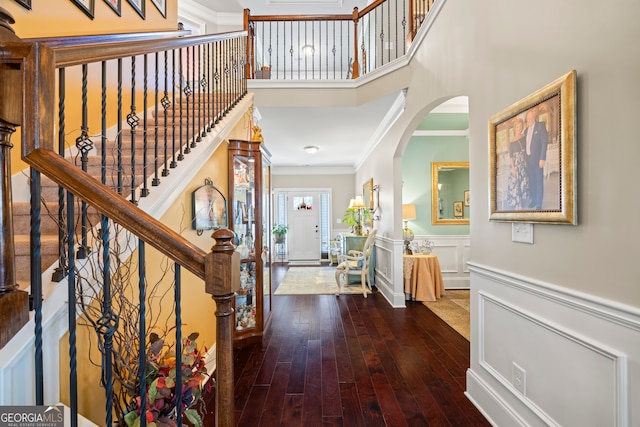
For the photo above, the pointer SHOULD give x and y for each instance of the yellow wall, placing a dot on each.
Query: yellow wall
(53, 18)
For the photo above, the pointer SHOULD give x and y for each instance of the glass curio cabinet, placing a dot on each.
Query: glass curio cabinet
(250, 219)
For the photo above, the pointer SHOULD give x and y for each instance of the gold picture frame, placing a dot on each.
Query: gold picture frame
(532, 157)
(458, 209)
(367, 194)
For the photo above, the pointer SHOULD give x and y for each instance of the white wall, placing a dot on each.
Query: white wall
(567, 307)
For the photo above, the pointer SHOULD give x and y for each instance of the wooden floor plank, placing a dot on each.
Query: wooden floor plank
(276, 397)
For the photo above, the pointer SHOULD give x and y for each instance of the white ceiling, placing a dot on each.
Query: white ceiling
(342, 134)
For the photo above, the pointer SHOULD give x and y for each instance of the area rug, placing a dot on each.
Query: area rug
(313, 281)
(453, 308)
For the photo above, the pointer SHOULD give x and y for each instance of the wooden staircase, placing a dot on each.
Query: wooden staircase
(49, 194)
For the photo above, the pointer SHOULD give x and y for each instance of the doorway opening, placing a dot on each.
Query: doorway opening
(307, 213)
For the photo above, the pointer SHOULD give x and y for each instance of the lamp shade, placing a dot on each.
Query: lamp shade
(358, 203)
(408, 212)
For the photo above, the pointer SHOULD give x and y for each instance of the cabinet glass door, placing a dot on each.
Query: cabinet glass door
(244, 226)
(266, 236)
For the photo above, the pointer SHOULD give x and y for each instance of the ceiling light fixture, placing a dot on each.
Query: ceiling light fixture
(308, 49)
(311, 149)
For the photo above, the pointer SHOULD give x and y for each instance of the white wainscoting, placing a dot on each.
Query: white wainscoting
(389, 270)
(453, 254)
(580, 354)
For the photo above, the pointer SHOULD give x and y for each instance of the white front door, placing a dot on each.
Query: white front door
(303, 211)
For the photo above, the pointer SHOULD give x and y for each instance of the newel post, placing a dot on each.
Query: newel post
(222, 277)
(250, 55)
(14, 303)
(355, 72)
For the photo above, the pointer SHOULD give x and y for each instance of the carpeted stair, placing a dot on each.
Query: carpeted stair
(49, 206)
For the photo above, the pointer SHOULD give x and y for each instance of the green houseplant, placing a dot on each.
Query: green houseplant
(355, 218)
(279, 230)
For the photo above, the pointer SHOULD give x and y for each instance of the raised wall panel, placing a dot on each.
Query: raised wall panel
(586, 370)
(580, 354)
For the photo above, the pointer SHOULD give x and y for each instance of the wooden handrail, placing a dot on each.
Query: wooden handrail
(75, 54)
(266, 18)
(121, 211)
(370, 7)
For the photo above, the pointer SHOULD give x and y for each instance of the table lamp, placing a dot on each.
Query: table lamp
(408, 214)
(358, 205)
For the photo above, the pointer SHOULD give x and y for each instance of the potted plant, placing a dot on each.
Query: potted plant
(279, 230)
(355, 218)
(161, 397)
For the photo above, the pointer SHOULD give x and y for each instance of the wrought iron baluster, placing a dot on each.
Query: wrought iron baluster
(84, 145)
(61, 270)
(144, 192)
(71, 297)
(188, 92)
(194, 83)
(201, 94)
(108, 318)
(270, 48)
(133, 120)
(178, 307)
(291, 50)
(166, 103)
(181, 105)
(404, 27)
(103, 141)
(207, 87)
(209, 120)
(36, 280)
(226, 77)
(216, 76)
(173, 163)
(156, 180)
(120, 130)
(142, 337)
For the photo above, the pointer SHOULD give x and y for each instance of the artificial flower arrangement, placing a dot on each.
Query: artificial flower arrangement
(161, 408)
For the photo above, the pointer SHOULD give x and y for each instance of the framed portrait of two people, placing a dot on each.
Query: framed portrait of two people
(532, 151)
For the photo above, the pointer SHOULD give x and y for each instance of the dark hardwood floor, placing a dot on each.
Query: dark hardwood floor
(350, 361)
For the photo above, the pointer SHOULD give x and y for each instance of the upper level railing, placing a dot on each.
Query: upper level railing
(316, 47)
(103, 120)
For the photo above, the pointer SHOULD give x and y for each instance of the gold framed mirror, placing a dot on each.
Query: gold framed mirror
(367, 194)
(449, 192)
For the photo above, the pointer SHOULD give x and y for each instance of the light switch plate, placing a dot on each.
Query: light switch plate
(522, 232)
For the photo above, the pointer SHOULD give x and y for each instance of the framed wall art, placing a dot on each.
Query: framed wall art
(116, 5)
(458, 210)
(161, 5)
(209, 208)
(25, 3)
(467, 198)
(532, 156)
(87, 6)
(139, 6)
